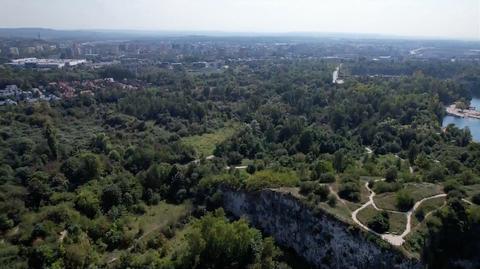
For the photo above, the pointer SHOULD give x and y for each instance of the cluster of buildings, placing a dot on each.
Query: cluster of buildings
(12, 95)
(45, 63)
(54, 91)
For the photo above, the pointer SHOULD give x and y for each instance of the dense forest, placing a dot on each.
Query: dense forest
(133, 178)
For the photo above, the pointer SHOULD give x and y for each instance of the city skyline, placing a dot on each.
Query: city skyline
(432, 19)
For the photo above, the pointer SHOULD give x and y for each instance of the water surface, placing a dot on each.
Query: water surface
(473, 124)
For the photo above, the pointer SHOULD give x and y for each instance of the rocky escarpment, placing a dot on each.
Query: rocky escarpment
(320, 238)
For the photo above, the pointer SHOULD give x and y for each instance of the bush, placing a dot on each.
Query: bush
(382, 187)
(214, 242)
(5, 223)
(404, 200)
(452, 185)
(391, 174)
(327, 178)
(380, 222)
(87, 203)
(350, 188)
(82, 168)
(476, 198)
(272, 179)
(420, 214)
(111, 196)
(234, 158)
(332, 200)
(322, 192)
(251, 169)
(307, 187)
(320, 168)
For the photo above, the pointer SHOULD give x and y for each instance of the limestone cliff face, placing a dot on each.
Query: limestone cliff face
(321, 239)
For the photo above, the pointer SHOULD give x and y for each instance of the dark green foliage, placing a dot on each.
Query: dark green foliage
(404, 200)
(382, 186)
(307, 187)
(391, 174)
(476, 198)
(322, 192)
(327, 178)
(332, 200)
(339, 161)
(82, 168)
(111, 196)
(305, 142)
(5, 223)
(350, 188)
(50, 135)
(320, 169)
(380, 222)
(157, 176)
(251, 168)
(452, 185)
(454, 236)
(216, 243)
(87, 203)
(290, 123)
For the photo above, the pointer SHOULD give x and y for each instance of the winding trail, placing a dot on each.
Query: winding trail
(236, 167)
(396, 240)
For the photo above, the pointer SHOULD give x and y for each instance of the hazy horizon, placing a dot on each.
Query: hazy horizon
(407, 18)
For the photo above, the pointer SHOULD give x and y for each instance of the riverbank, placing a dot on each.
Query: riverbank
(463, 113)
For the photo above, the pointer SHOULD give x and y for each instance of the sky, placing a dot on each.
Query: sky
(456, 19)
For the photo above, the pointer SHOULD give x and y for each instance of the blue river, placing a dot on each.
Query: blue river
(473, 124)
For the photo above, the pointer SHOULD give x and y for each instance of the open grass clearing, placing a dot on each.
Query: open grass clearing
(154, 220)
(417, 191)
(204, 144)
(397, 221)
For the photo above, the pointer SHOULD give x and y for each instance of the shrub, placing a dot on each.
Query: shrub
(452, 185)
(391, 174)
(82, 168)
(382, 187)
(380, 222)
(350, 188)
(322, 192)
(87, 203)
(404, 200)
(332, 200)
(214, 242)
(5, 223)
(272, 179)
(327, 178)
(307, 187)
(251, 169)
(476, 198)
(320, 168)
(234, 158)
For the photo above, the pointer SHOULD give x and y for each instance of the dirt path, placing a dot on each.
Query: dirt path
(210, 157)
(236, 167)
(62, 235)
(336, 195)
(396, 240)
